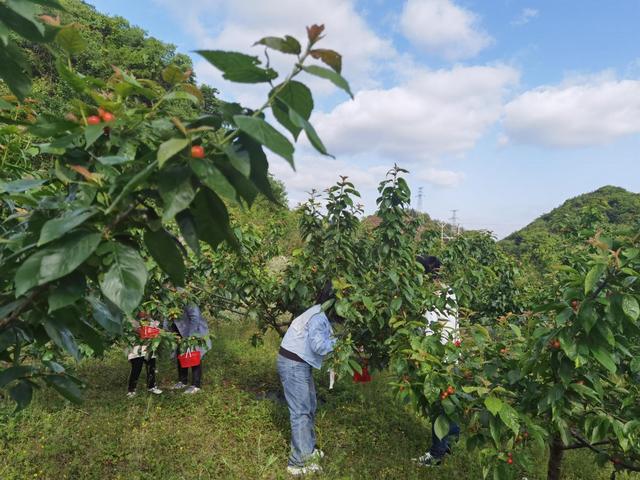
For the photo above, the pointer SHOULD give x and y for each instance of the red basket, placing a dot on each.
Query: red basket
(363, 377)
(148, 332)
(189, 359)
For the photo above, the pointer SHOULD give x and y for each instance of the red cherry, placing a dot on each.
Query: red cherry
(93, 120)
(451, 390)
(108, 117)
(197, 151)
(457, 343)
(509, 460)
(509, 454)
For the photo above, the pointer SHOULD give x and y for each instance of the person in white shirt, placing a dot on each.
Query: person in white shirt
(449, 332)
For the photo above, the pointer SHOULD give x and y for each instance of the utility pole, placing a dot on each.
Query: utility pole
(420, 199)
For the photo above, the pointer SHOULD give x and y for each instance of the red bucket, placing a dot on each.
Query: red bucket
(148, 332)
(363, 377)
(189, 359)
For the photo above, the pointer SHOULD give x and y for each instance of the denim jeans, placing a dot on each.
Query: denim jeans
(300, 394)
(440, 447)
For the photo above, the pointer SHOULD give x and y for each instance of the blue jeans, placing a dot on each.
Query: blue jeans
(440, 447)
(300, 394)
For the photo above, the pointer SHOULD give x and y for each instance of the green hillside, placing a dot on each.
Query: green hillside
(546, 240)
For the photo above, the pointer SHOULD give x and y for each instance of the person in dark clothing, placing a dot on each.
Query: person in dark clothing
(191, 323)
(138, 356)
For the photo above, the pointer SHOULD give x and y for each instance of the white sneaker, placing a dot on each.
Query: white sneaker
(316, 454)
(427, 460)
(191, 390)
(131, 394)
(311, 468)
(155, 391)
(178, 386)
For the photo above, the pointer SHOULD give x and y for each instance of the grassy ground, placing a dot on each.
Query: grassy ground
(226, 431)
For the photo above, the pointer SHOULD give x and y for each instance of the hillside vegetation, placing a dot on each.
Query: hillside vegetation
(549, 239)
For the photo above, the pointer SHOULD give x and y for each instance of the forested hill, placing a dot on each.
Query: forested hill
(110, 41)
(545, 240)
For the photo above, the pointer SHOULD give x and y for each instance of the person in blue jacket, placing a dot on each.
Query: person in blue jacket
(191, 323)
(304, 346)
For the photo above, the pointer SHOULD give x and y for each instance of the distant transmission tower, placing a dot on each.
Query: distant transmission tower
(454, 222)
(420, 199)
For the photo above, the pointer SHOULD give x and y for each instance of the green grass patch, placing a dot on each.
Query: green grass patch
(226, 431)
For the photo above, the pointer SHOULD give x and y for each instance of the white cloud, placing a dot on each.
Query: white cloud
(432, 114)
(525, 16)
(235, 25)
(444, 28)
(582, 112)
(439, 177)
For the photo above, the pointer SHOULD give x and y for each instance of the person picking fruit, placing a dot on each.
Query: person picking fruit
(138, 356)
(445, 322)
(304, 346)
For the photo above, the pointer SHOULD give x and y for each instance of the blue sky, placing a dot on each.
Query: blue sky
(500, 109)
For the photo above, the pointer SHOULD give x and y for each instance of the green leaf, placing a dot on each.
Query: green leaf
(68, 291)
(287, 44)
(62, 337)
(187, 226)
(164, 250)
(259, 166)
(330, 75)
(13, 70)
(587, 316)
(106, 315)
(635, 365)
(65, 386)
(92, 133)
(592, 277)
(114, 160)
(172, 75)
(294, 95)
(238, 67)
(212, 219)
(176, 190)
(509, 417)
(213, 178)
(56, 260)
(312, 135)
(70, 40)
(268, 136)
(20, 16)
(493, 404)
(124, 282)
(605, 358)
(21, 185)
(11, 374)
(239, 159)
(630, 307)
(441, 426)
(21, 392)
(178, 95)
(170, 148)
(57, 227)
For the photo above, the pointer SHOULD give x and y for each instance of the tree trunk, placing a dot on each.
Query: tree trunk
(555, 459)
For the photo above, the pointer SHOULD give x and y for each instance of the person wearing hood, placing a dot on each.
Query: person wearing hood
(304, 346)
(190, 324)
